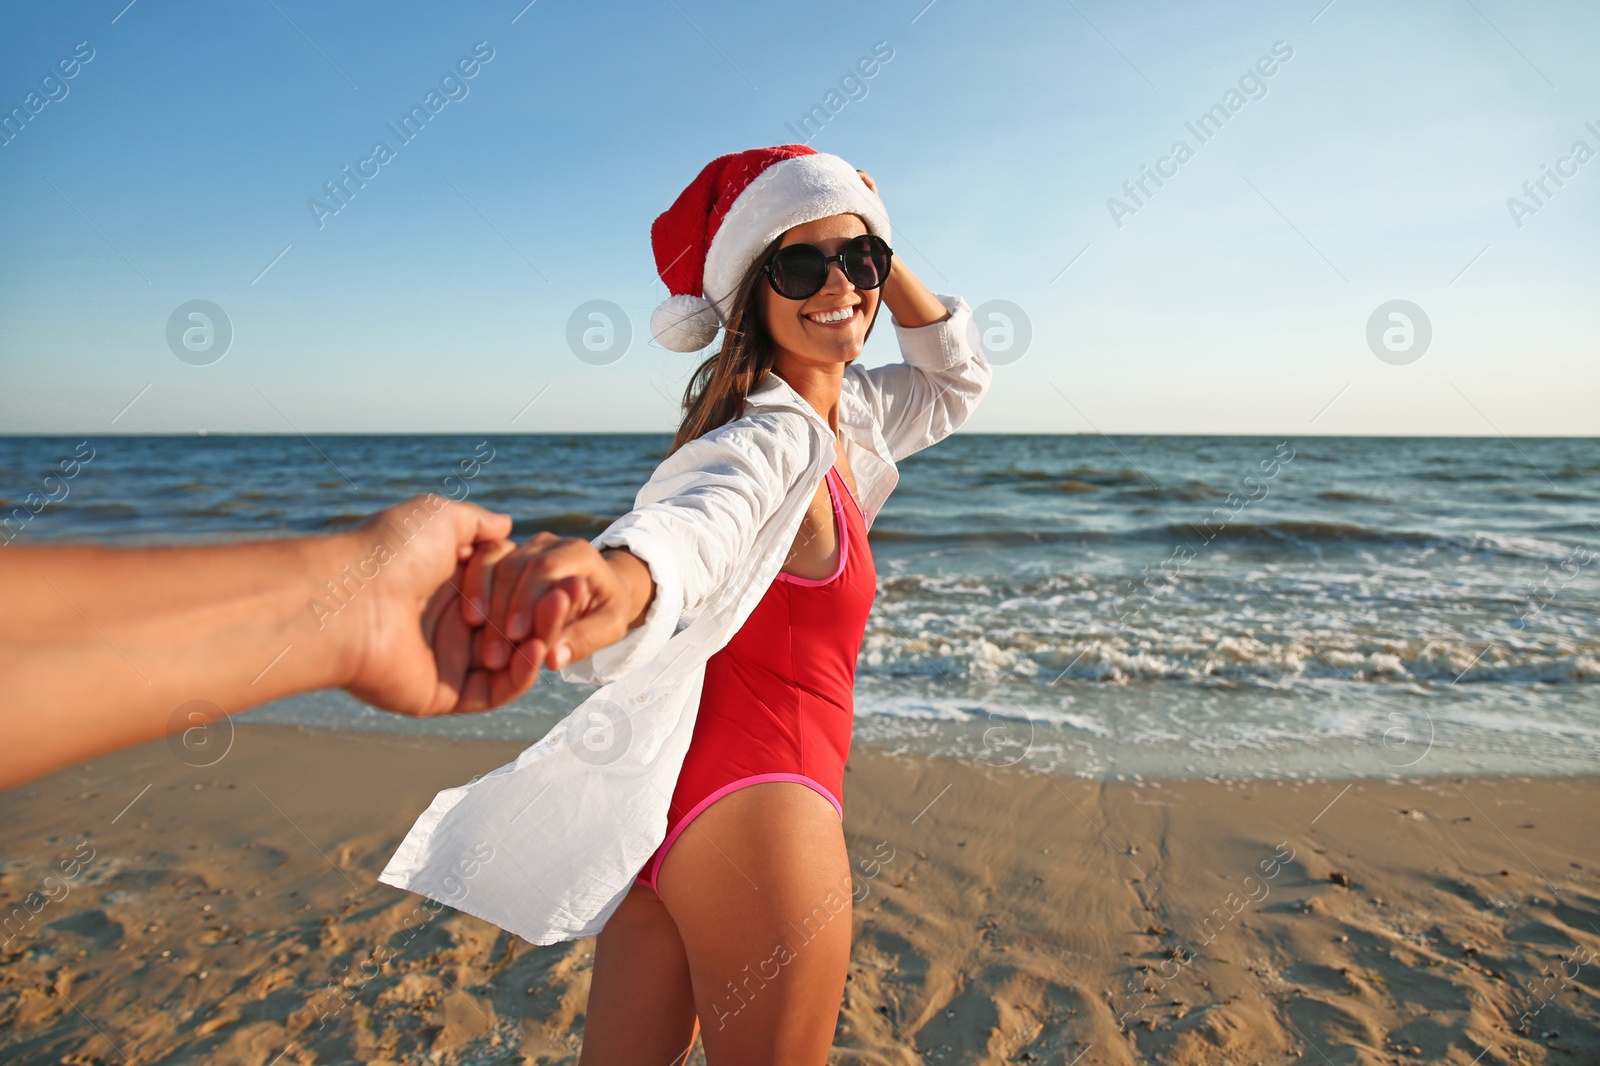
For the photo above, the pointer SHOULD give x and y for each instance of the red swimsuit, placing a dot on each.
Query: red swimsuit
(778, 701)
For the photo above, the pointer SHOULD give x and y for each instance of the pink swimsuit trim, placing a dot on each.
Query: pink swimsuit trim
(841, 532)
(734, 786)
(837, 489)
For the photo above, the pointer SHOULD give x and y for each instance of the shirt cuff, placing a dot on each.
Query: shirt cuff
(642, 642)
(938, 345)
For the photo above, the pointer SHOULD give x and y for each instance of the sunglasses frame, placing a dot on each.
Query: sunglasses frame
(827, 261)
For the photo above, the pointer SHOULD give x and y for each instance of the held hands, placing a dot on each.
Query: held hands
(451, 617)
(408, 651)
(549, 601)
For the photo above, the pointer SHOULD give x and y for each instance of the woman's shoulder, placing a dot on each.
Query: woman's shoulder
(766, 430)
(767, 449)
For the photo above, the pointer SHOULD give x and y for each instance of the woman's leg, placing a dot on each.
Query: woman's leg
(759, 886)
(641, 1007)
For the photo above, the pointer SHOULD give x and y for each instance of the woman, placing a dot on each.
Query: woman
(690, 811)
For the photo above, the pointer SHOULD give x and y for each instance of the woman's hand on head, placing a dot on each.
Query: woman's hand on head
(910, 301)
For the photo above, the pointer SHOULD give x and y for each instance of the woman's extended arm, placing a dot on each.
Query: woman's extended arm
(100, 647)
(617, 600)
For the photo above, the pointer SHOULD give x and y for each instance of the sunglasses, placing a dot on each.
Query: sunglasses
(799, 271)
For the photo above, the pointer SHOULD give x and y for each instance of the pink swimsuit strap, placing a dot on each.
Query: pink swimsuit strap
(836, 489)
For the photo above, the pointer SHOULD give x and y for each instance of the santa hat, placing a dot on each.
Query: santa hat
(740, 203)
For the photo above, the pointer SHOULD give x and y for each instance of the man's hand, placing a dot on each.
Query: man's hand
(102, 648)
(410, 652)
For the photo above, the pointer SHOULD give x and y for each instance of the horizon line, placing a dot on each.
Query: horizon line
(206, 434)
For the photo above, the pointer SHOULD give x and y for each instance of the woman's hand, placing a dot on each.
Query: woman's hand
(551, 600)
(910, 301)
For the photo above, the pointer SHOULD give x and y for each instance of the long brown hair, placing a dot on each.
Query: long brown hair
(716, 392)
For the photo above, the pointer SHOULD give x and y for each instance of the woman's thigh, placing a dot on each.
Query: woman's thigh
(759, 886)
(641, 1006)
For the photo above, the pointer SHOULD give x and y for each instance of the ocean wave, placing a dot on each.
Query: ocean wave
(1189, 492)
(1310, 531)
(1470, 475)
(1196, 534)
(571, 524)
(526, 492)
(342, 520)
(1337, 496)
(1088, 475)
(184, 488)
(1582, 529)
(1007, 719)
(1032, 657)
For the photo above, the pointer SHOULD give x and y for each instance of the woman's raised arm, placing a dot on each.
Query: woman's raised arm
(943, 375)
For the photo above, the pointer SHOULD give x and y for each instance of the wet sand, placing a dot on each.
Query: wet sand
(161, 912)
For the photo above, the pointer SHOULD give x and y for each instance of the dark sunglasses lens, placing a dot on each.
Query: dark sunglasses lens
(866, 261)
(799, 271)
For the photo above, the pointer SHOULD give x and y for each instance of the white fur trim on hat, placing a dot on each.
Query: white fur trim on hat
(684, 323)
(787, 194)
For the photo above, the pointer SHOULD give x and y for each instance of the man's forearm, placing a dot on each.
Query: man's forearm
(99, 647)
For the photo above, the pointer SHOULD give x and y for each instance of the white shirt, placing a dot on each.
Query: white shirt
(548, 845)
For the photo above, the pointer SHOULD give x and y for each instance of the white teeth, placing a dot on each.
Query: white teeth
(833, 316)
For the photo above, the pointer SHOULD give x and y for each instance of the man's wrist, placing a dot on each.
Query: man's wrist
(339, 607)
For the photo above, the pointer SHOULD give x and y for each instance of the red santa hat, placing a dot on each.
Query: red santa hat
(740, 203)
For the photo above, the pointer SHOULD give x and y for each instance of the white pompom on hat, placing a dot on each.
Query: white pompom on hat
(684, 323)
(738, 205)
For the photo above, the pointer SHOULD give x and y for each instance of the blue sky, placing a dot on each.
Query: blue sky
(1374, 164)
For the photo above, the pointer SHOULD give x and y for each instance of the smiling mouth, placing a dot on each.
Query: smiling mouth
(839, 316)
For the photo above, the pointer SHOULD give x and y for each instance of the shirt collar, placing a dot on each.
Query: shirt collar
(773, 391)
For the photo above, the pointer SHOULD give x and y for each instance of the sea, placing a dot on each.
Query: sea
(1110, 607)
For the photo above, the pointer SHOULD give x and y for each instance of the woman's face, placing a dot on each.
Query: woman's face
(794, 324)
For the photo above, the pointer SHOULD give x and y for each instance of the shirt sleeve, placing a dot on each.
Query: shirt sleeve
(642, 642)
(927, 396)
(694, 524)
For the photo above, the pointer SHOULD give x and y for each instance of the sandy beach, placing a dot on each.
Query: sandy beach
(161, 912)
